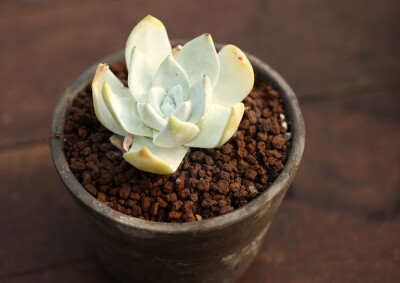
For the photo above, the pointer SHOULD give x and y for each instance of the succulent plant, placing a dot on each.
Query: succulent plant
(177, 98)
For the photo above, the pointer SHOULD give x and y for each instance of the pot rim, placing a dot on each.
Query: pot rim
(251, 209)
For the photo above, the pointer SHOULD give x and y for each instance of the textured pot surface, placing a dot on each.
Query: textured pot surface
(213, 250)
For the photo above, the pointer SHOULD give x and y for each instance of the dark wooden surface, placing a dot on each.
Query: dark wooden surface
(341, 220)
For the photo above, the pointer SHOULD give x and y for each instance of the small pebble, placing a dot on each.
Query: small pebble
(209, 182)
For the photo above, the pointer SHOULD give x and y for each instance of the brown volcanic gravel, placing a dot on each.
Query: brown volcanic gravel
(208, 183)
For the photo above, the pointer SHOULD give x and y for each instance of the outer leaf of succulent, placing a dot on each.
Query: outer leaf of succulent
(186, 97)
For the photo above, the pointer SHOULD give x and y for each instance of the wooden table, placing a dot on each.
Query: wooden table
(341, 219)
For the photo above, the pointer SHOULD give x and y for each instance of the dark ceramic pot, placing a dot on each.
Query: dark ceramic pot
(213, 250)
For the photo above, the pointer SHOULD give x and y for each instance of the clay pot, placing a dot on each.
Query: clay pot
(213, 250)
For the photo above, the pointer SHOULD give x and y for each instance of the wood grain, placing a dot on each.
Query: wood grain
(316, 45)
(340, 221)
(40, 223)
(342, 214)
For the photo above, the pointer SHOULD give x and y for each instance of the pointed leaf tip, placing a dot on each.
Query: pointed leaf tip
(148, 157)
(217, 126)
(103, 74)
(151, 38)
(150, 117)
(199, 57)
(231, 127)
(121, 107)
(141, 72)
(170, 74)
(236, 77)
(175, 133)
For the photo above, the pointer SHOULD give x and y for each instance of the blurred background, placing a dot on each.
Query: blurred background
(339, 221)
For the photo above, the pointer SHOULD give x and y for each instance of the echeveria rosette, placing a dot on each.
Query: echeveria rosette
(172, 103)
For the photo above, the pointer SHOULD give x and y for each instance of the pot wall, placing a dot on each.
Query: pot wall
(220, 255)
(213, 250)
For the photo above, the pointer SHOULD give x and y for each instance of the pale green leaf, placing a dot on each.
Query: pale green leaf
(198, 57)
(103, 74)
(168, 106)
(146, 156)
(140, 75)
(150, 37)
(236, 77)
(175, 133)
(201, 98)
(183, 111)
(177, 95)
(121, 108)
(156, 98)
(219, 124)
(170, 74)
(150, 116)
